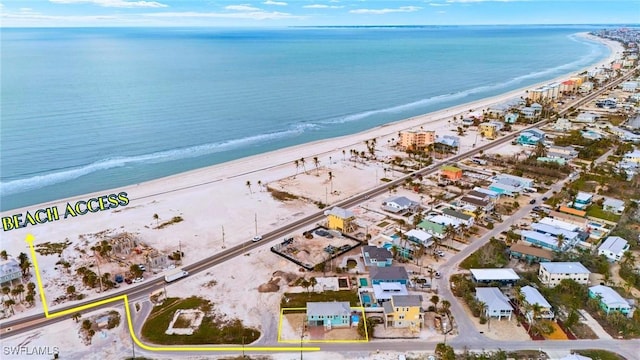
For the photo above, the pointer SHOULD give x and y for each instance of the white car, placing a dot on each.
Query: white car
(256, 238)
(138, 280)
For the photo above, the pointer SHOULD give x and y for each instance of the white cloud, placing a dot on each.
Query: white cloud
(438, 4)
(322, 6)
(249, 15)
(386, 11)
(243, 7)
(276, 3)
(114, 3)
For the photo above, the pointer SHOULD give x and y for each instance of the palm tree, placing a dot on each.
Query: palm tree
(259, 185)
(4, 255)
(344, 154)
(316, 163)
(540, 150)
(561, 239)
(71, 290)
(446, 306)
(156, 218)
(249, 186)
(313, 282)
(331, 180)
(25, 264)
(305, 284)
(76, 316)
(105, 248)
(9, 304)
(297, 164)
(449, 232)
(435, 299)
(20, 291)
(303, 167)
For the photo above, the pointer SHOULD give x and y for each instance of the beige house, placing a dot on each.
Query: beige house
(417, 139)
(551, 273)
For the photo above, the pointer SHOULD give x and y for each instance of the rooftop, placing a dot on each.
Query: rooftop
(493, 298)
(609, 296)
(340, 212)
(384, 291)
(406, 300)
(565, 268)
(523, 248)
(329, 307)
(533, 296)
(615, 244)
(494, 274)
(377, 253)
(456, 214)
(389, 273)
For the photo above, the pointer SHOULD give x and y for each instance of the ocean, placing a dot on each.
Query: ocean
(90, 109)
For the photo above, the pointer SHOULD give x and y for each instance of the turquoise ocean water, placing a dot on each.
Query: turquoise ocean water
(84, 110)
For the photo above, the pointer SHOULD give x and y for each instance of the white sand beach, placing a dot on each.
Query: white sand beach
(211, 198)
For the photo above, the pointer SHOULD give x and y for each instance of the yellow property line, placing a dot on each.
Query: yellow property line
(280, 340)
(124, 298)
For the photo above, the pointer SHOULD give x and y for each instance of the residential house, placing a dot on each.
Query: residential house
(451, 172)
(484, 205)
(480, 195)
(529, 113)
(389, 274)
(586, 87)
(572, 211)
(613, 206)
(329, 314)
(632, 157)
(613, 248)
(493, 195)
(629, 86)
(468, 121)
(416, 139)
(591, 135)
(511, 118)
(563, 125)
(385, 291)
(420, 237)
(530, 137)
(610, 300)
(540, 239)
(489, 130)
(533, 297)
(376, 256)
(512, 180)
(465, 219)
(580, 222)
(449, 140)
(433, 228)
(563, 152)
(9, 270)
(551, 273)
(532, 254)
(495, 302)
(550, 227)
(588, 118)
(504, 276)
(341, 219)
(404, 311)
(575, 357)
(399, 204)
(582, 200)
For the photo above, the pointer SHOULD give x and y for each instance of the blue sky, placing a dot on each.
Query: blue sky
(269, 13)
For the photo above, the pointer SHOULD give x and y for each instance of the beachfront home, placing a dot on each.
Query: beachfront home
(613, 206)
(329, 314)
(492, 194)
(629, 86)
(610, 300)
(399, 204)
(9, 270)
(489, 130)
(465, 219)
(341, 219)
(551, 273)
(389, 274)
(404, 311)
(479, 195)
(582, 200)
(495, 303)
(376, 256)
(503, 276)
(433, 228)
(416, 139)
(531, 254)
(533, 297)
(451, 172)
(613, 248)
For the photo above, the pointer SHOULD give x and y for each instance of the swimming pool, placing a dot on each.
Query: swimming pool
(595, 225)
(363, 282)
(366, 299)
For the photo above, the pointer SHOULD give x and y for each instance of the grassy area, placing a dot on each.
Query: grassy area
(600, 354)
(490, 255)
(293, 300)
(50, 248)
(174, 220)
(281, 195)
(213, 330)
(598, 212)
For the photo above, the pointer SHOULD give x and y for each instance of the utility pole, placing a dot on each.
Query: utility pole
(223, 237)
(326, 198)
(301, 337)
(255, 219)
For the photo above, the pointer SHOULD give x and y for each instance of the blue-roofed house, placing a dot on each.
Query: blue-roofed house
(582, 200)
(552, 273)
(496, 303)
(449, 140)
(613, 206)
(613, 248)
(539, 239)
(533, 297)
(531, 137)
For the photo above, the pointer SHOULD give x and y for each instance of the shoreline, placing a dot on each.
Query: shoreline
(339, 143)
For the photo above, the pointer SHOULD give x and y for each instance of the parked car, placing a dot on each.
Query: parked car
(256, 238)
(324, 233)
(128, 280)
(142, 267)
(119, 278)
(544, 198)
(138, 280)
(438, 275)
(533, 201)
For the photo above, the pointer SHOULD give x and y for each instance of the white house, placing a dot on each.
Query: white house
(613, 248)
(533, 297)
(613, 205)
(551, 273)
(9, 270)
(496, 303)
(629, 86)
(420, 237)
(586, 118)
(398, 204)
